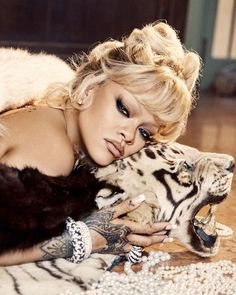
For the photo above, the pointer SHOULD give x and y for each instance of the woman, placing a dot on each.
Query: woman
(124, 95)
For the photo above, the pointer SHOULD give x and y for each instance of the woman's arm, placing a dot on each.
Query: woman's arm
(58, 247)
(109, 234)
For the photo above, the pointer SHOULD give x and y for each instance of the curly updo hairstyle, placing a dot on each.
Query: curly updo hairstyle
(150, 63)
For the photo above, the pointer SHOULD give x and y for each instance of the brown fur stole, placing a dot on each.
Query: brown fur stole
(33, 206)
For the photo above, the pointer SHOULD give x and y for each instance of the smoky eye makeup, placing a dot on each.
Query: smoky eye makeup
(121, 107)
(145, 134)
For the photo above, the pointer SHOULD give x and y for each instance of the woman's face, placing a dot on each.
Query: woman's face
(115, 125)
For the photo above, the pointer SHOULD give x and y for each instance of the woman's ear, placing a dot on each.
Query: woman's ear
(86, 91)
(89, 91)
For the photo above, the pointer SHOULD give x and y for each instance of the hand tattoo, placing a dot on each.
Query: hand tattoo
(59, 247)
(115, 234)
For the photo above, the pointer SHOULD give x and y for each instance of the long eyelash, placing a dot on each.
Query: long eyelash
(148, 138)
(122, 108)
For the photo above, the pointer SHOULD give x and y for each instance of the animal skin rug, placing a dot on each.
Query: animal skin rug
(178, 180)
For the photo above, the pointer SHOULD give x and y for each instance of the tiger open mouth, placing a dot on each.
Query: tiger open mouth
(208, 229)
(205, 227)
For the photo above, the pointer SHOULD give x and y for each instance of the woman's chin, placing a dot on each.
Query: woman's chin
(102, 160)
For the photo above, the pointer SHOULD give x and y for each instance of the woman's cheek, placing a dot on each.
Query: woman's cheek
(132, 149)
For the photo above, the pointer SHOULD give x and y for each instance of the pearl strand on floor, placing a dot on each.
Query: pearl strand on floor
(194, 279)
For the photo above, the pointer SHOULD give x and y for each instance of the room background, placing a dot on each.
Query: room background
(65, 27)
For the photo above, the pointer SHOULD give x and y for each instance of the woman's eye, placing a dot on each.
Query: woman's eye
(122, 108)
(145, 134)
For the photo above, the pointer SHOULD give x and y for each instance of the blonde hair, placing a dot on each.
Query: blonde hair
(152, 64)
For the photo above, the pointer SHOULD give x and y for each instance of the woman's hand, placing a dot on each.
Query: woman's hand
(110, 234)
(113, 235)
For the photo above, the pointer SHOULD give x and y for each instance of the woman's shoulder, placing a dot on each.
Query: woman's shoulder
(29, 118)
(36, 136)
(30, 112)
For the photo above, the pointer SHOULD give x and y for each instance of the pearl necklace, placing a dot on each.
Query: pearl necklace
(193, 279)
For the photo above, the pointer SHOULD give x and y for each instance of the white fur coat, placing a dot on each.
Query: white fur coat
(25, 76)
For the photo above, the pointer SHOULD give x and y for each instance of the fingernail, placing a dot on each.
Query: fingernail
(139, 199)
(171, 226)
(168, 240)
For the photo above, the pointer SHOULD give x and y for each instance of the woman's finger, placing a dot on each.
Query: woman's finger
(160, 233)
(126, 206)
(127, 248)
(144, 229)
(143, 241)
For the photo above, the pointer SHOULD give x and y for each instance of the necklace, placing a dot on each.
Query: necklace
(194, 279)
(158, 278)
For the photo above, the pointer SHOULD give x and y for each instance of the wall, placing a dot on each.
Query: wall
(65, 27)
(198, 36)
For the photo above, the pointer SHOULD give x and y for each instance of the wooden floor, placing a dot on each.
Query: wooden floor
(212, 127)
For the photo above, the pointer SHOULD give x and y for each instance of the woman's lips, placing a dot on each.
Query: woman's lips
(115, 148)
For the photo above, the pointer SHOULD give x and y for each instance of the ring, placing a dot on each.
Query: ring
(135, 254)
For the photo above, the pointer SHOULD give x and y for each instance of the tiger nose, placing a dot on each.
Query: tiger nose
(231, 166)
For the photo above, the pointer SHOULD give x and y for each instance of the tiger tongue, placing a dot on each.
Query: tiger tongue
(208, 240)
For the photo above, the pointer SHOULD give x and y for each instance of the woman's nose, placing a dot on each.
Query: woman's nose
(128, 134)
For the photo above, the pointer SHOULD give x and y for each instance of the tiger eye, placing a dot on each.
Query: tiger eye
(185, 167)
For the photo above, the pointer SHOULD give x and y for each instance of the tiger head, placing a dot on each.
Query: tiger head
(177, 181)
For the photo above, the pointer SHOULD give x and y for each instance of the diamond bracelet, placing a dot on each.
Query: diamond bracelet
(80, 238)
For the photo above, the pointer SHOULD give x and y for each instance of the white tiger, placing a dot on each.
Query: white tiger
(177, 181)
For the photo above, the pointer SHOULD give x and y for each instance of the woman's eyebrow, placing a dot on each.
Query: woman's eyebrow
(134, 103)
(135, 107)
